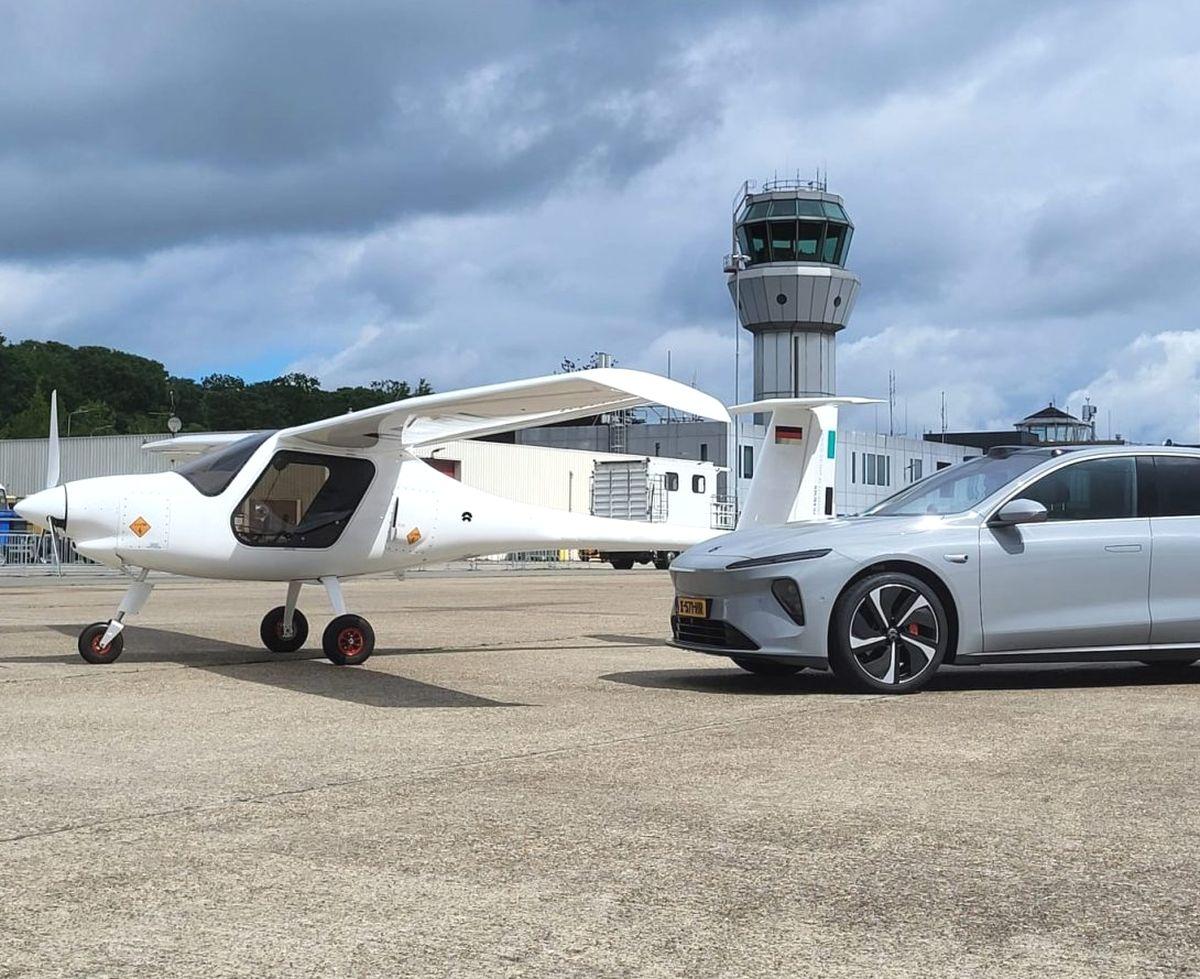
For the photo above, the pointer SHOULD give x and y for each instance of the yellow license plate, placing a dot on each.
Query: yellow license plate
(695, 608)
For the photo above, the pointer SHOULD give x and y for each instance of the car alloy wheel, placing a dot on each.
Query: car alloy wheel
(892, 631)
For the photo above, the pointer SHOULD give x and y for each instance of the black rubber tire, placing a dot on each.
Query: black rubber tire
(348, 640)
(847, 666)
(766, 667)
(89, 644)
(663, 559)
(1169, 663)
(270, 631)
(622, 563)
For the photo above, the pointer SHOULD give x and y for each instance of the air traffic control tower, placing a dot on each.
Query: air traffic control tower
(788, 280)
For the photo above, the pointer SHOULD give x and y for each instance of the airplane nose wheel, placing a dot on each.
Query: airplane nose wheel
(271, 631)
(348, 640)
(90, 648)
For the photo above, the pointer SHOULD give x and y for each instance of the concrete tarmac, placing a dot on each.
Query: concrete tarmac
(526, 781)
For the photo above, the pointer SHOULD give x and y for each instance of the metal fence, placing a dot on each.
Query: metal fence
(724, 514)
(35, 553)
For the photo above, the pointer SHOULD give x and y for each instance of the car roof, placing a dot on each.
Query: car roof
(1091, 451)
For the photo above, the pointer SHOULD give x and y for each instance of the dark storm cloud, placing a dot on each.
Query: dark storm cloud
(156, 124)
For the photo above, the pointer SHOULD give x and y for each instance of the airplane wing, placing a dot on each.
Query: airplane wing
(505, 407)
(194, 444)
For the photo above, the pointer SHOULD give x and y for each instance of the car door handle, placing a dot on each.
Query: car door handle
(1123, 548)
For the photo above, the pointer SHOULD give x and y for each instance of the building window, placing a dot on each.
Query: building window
(877, 469)
(747, 462)
(704, 452)
(697, 484)
(854, 467)
(672, 482)
(915, 470)
(658, 448)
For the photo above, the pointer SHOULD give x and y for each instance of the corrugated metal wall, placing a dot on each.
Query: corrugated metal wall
(23, 461)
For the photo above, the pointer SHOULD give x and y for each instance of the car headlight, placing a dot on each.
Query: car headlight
(760, 562)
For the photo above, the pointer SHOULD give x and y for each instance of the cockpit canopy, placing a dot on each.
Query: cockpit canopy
(212, 472)
(794, 229)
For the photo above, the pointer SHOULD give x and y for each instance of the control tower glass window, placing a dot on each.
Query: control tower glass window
(798, 230)
(757, 233)
(831, 251)
(783, 241)
(808, 240)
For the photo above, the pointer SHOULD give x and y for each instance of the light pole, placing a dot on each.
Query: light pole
(735, 264)
(78, 411)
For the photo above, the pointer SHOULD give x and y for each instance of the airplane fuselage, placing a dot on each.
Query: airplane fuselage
(289, 515)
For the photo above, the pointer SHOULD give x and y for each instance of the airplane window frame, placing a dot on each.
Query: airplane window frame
(327, 513)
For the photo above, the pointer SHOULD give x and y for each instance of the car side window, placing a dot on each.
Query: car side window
(1094, 489)
(1177, 485)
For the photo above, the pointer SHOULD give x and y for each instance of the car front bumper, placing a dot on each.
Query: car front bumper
(744, 616)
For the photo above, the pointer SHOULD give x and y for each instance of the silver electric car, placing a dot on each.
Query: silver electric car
(1023, 554)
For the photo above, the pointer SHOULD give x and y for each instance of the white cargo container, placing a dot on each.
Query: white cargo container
(678, 491)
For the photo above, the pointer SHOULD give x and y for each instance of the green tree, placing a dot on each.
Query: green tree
(129, 393)
(33, 420)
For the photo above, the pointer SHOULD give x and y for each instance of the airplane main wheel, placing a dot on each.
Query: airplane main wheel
(90, 648)
(271, 631)
(348, 640)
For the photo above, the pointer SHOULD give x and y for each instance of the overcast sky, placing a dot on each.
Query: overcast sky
(469, 192)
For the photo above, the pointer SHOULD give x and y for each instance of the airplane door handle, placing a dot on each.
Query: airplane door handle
(1123, 548)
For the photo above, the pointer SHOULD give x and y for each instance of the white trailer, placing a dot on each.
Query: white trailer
(675, 491)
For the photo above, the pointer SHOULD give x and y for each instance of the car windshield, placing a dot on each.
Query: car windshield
(212, 472)
(958, 488)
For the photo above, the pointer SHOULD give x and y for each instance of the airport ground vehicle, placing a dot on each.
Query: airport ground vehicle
(1029, 554)
(656, 490)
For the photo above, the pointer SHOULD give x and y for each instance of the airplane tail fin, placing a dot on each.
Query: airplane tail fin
(794, 474)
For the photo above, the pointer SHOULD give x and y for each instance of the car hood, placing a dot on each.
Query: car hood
(805, 535)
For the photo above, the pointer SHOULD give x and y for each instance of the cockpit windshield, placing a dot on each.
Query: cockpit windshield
(958, 488)
(212, 472)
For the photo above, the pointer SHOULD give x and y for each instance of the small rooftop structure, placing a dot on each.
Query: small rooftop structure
(1052, 424)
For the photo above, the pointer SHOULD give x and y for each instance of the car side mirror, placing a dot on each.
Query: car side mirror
(1019, 511)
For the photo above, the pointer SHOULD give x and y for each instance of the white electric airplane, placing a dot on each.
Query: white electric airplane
(347, 496)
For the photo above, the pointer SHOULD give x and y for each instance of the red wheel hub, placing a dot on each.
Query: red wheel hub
(350, 641)
(96, 647)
